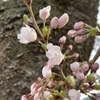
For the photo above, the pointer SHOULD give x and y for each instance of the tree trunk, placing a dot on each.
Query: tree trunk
(21, 64)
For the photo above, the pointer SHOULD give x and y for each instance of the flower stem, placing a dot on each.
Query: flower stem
(34, 21)
(63, 76)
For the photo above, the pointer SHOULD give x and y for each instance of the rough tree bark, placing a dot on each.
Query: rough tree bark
(21, 64)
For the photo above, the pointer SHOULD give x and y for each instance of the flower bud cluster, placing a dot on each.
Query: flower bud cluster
(79, 32)
(78, 69)
(41, 91)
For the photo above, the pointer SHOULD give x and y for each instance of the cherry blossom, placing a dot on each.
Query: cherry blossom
(45, 13)
(47, 95)
(54, 54)
(74, 94)
(27, 35)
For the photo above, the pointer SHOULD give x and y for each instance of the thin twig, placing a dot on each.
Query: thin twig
(96, 56)
(34, 20)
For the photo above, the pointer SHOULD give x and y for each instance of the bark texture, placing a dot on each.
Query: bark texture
(21, 64)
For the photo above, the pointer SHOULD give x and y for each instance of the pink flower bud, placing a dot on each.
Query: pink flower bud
(75, 66)
(78, 25)
(45, 13)
(62, 40)
(80, 76)
(71, 33)
(54, 23)
(74, 73)
(39, 79)
(37, 96)
(40, 89)
(46, 72)
(25, 97)
(85, 67)
(63, 20)
(49, 64)
(75, 55)
(33, 89)
(69, 48)
(81, 31)
(80, 39)
(50, 84)
(94, 67)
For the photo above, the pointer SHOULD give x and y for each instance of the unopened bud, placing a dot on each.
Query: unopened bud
(39, 79)
(63, 20)
(94, 67)
(71, 33)
(80, 76)
(69, 48)
(75, 55)
(85, 66)
(54, 23)
(78, 25)
(81, 31)
(62, 40)
(80, 39)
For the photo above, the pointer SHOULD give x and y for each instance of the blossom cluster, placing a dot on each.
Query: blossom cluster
(58, 86)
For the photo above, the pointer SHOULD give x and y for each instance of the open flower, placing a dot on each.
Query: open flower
(45, 13)
(74, 94)
(47, 95)
(27, 35)
(54, 54)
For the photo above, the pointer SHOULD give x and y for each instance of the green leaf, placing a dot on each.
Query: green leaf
(93, 32)
(56, 93)
(63, 93)
(51, 98)
(26, 19)
(46, 31)
(71, 80)
(97, 87)
(44, 46)
(90, 78)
